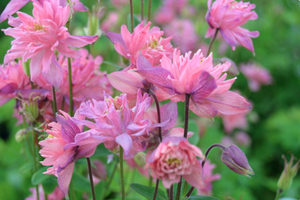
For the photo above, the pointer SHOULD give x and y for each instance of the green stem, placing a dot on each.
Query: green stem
(122, 173)
(54, 101)
(186, 114)
(171, 193)
(34, 161)
(70, 87)
(278, 193)
(178, 189)
(212, 41)
(92, 49)
(156, 189)
(149, 10)
(91, 177)
(131, 15)
(109, 182)
(142, 10)
(150, 181)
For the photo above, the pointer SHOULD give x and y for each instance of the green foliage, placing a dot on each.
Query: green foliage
(148, 192)
(198, 197)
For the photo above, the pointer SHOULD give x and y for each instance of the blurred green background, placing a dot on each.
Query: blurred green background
(276, 132)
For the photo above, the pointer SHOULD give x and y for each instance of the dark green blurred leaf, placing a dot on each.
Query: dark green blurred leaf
(198, 197)
(80, 183)
(193, 126)
(148, 192)
(38, 177)
(112, 64)
(50, 184)
(26, 167)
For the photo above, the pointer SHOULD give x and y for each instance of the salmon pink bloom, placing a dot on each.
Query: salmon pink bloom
(230, 122)
(113, 120)
(14, 5)
(148, 42)
(196, 76)
(208, 178)
(173, 158)
(57, 194)
(38, 37)
(256, 76)
(228, 16)
(59, 151)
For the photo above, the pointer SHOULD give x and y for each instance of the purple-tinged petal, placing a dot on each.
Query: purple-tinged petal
(169, 112)
(8, 88)
(143, 63)
(54, 75)
(80, 40)
(125, 141)
(125, 82)
(115, 38)
(12, 7)
(204, 85)
(202, 108)
(64, 178)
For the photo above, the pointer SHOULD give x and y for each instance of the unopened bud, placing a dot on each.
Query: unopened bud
(93, 22)
(20, 135)
(236, 160)
(289, 172)
(140, 159)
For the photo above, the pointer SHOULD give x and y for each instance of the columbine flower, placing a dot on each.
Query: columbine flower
(168, 11)
(148, 42)
(38, 37)
(117, 123)
(173, 158)
(256, 76)
(236, 160)
(228, 16)
(196, 76)
(60, 152)
(14, 5)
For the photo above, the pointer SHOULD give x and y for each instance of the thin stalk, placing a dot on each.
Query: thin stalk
(185, 187)
(209, 149)
(45, 195)
(122, 173)
(149, 10)
(142, 10)
(278, 193)
(109, 182)
(189, 193)
(70, 87)
(178, 189)
(150, 181)
(212, 41)
(54, 101)
(186, 114)
(34, 161)
(131, 15)
(156, 189)
(168, 193)
(171, 193)
(92, 49)
(158, 112)
(91, 177)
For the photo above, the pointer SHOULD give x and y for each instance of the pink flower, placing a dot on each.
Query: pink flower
(230, 122)
(148, 42)
(14, 5)
(117, 123)
(196, 76)
(228, 16)
(119, 3)
(57, 194)
(38, 37)
(173, 158)
(12, 80)
(110, 21)
(242, 138)
(256, 76)
(208, 178)
(183, 34)
(60, 152)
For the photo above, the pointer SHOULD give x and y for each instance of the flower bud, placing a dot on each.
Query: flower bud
(236, 160)
(20, 135)
(140, 159)
(93, 21)
(289, 171)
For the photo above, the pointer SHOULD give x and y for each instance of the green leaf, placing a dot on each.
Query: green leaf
(80, 182)
(193, 126)
(200, 197)
(27, 167)
(136, 22)
(38, 177)
(148, 192)
(113, 64)
(50, 184)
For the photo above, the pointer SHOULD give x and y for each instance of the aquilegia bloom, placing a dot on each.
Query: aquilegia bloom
(38, 37)
(196, 76)
(173, 158)
(228, 16)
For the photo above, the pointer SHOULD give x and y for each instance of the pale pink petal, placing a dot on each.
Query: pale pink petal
(64, 178)
(125, 141)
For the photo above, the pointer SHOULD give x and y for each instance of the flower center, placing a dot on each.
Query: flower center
(155, 44)
(172, 161)
(39, 27)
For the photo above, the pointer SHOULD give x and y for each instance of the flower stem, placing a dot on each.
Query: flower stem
(54, 101)
(178, 189)
(122, 173)
(171, 193)
(149, 10)
(186, 114)
(158, 112)
(142, 10)
(156, 189)
(278, 193)
(34, 161)
(91, 177)
(109, 182)
(212, 41)
(70, 87)
(131, 16)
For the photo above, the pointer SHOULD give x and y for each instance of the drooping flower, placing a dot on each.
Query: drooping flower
(15, 5)
(173, 158)
(149, 42)
(228, 16)
(197, 77)
(208, 178)
(60, 152)
(117, 123)
(57, 194)
(38, 37)
(256, 76)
